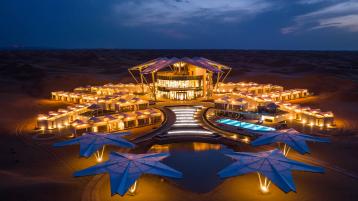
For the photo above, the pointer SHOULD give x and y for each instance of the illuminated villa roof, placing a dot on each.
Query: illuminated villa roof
(124, 169)
(91, 142)
(291, 137)
(272, 164)
(163, 62)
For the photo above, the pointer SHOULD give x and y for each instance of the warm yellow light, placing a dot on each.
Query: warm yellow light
(264, 183)
(41, 118)
(246, 140)
(133, 188)
(311, 124)
(99, 154)
(42, 128)
(304, 121)
(264, 189)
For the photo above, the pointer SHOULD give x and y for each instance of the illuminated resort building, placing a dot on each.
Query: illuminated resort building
(119, 106)
(267, 103)
(180, 79)
(120, 111)
(186, 99)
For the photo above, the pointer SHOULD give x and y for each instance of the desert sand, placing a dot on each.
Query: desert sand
(33, 170)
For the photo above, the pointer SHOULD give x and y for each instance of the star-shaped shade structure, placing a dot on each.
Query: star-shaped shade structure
(92, 142)
(124, 169)
(290, 137)
(272, 164)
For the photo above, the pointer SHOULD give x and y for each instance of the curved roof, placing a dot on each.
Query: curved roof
(162, 62)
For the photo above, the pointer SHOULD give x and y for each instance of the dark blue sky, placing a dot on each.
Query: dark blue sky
(177, 24)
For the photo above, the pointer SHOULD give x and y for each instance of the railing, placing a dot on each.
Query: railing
(179, 88)
(179, 77)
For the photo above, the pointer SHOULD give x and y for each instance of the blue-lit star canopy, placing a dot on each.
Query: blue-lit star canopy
(124, 169)
(91, 142)
(272, 164)
(291, 137)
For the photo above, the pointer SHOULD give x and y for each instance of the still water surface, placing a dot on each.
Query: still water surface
(199, 163)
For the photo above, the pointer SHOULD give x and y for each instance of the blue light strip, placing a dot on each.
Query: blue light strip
(245, 125)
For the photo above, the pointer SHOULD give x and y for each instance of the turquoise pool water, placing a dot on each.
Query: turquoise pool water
(245, 125)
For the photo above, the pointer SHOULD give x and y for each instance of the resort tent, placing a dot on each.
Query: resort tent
(92, 142)
(290, 137)
(124, 169)
(94, 107)
(76, 122)
(121, 93)
(109, 118)
(94, 119)
(271, 164)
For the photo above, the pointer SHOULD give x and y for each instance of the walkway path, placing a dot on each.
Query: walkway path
(167, 124)
(183, 123)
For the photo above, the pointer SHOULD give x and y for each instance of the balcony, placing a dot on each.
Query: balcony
(179, 88)
(171, 76)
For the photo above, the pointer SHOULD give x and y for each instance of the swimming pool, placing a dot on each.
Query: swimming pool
(245, 125)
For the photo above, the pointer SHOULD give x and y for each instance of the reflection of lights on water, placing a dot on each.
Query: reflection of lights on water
(205, 146)
(159, 148)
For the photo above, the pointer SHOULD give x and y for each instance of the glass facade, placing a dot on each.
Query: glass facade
(180, 87)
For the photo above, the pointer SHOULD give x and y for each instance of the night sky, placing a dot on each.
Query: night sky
(180, 24)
